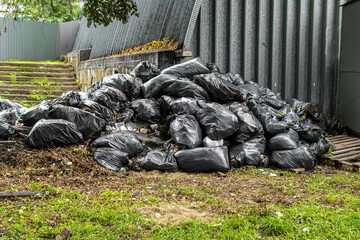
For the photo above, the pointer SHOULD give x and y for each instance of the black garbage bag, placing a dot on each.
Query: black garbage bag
(275, 102)
(309, 132)
(97, 109)
(70, 98)
(187, 69)
(218, 121)
(153, 88)
(220, 90)
(249, 125)
(203, 159)
(184, 88)
(10, 115)
(89, 125)
(290, 117)
(5, 130)
(124, 142)
(321, 120)
(317, 148)
(186, 131)
(111, 98)
(272, 125)
(158, 160)
(145, 71)
(232, 78)
(95, 86)
(252, 90)
(125, 83)
(180, 105)
(211, 143)
(248, 153)
(213, 67)
(127, 115)
(54, 131)
(148, 110)
(34, 114)
(111, 159)
(6, 104)
(299, 107)
(284, 141)
(300, 157)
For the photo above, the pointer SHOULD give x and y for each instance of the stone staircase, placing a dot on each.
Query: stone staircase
(29, 83)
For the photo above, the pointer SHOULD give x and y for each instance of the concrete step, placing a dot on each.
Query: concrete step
(65, 88)
(27, 92)
(50, 79)
(25, 64)
(51, 83)
(22, 97)
(34, 69)
(38, 74)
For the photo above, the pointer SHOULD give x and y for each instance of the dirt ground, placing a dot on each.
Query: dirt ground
(73, 168)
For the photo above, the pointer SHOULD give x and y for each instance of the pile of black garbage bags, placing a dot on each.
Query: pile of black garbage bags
(206, 121)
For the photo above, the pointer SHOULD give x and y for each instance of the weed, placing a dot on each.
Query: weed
(13, 78)
(6, 92)
(155, 45)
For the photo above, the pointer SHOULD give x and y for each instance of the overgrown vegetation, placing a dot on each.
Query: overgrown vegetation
(156, 45)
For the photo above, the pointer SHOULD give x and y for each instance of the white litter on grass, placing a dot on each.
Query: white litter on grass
(273, 175)
(279, 214)
(305, 230)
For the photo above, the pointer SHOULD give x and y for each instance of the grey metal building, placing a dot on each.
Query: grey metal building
(349, 79)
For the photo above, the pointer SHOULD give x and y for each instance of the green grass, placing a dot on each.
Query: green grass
(310, 206)
(13, 78)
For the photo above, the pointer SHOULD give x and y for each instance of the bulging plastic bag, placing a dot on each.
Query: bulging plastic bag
(89, 125)
(220, 90)
(249, 125)
(145, 71)
(153, 88)
(97, 109)
(309, 132)
(248, 153)
(203, 159)
(148, 110)
(187, 69)
(180, 105)
(252, 90)
(10, 115)
(232, 78)
(185, 130)
(34, 114)
(284, 141)
(318, 148)
(54, 131)
(6, 104)
(124, 142)
(158, 160)
(70, 98)
(299, 107)
(300, 157)
(111, 98)
(125, 83)
(184, 88)
(111, 159)
(218, 121)
(6, 130)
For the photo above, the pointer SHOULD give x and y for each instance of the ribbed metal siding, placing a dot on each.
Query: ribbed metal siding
(289, 46)
(67, 32)
(158, 19)
(37, 41)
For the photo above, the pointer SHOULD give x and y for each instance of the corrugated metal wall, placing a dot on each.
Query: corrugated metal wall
(290, 46)
(158, 19)
(37, 41)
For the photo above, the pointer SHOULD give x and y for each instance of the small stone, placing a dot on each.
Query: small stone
(136, 193)
(143, 130)
(65, 234)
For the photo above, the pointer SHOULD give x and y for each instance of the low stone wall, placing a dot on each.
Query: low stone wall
(93, 70)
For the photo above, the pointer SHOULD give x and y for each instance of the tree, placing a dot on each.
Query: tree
(97, 12)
